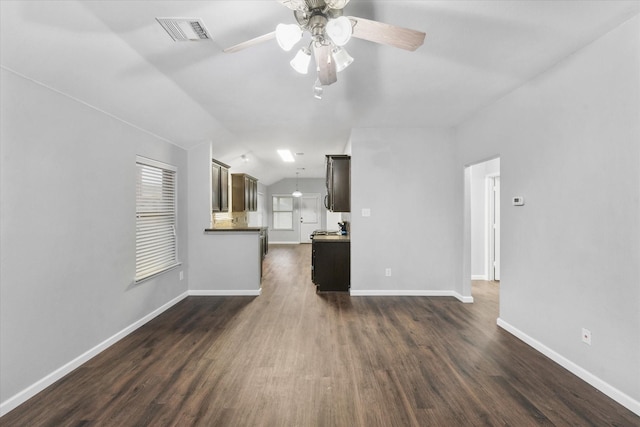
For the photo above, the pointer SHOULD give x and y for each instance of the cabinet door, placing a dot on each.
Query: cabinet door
(338, 183)
(254, 197)
(237, 193)
(331, 265)
(224, 189)
(247, 193)
(215, 187)
(341, 184)
(244, 190)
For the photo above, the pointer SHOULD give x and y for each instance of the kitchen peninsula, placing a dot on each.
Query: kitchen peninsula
(227, 249)
(232, 257)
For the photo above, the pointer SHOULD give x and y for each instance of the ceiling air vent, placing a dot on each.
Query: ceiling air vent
(185, 29)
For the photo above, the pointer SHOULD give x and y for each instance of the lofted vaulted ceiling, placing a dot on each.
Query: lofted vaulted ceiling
(113, 55)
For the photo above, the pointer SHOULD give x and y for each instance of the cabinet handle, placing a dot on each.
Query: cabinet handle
(326, 201)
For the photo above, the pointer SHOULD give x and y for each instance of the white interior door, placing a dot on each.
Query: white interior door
(494, 252)
(309, 216)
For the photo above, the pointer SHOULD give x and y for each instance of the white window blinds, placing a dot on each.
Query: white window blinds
(155, 218)
(282, 212)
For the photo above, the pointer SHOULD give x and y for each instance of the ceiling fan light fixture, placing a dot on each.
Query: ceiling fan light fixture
(342, 58)
(339, 30)
(297, 193)
(317, 89)
(301, 61)
(288, 35)
(336, 4)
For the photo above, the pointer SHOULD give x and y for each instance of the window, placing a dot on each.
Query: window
(156, 249)
(282, 212)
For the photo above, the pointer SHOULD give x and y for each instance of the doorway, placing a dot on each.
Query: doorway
(482, 206)
(309, 216)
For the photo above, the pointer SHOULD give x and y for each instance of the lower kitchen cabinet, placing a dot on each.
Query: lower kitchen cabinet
(331, 263)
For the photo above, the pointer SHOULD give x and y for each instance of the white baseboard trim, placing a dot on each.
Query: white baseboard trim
(617, 395)
(479, 277)
(225, 293)
(283, 243)
(21, 397)
(410, 293)
(464, 299)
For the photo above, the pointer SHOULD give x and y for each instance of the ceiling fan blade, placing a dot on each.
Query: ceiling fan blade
(326, 65)
(249, 43)
(378, 32)
(294, 4)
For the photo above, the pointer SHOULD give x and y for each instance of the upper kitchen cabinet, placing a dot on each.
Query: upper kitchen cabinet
(338, 183)
(244, 193)
(219, 186)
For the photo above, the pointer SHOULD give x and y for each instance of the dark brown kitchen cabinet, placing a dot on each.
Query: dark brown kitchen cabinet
(338, 183)
(331, 263)
(219, 186)
(244, 193)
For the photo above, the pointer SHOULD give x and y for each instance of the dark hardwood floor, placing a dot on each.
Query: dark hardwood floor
(291, 357)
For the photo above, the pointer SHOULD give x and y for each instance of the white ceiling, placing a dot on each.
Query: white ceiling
(113, 55)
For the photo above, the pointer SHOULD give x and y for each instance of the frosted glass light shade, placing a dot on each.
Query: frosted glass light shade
(339, 30)
(301, 61)
(297, 193)
(288, 35)
(342, 58)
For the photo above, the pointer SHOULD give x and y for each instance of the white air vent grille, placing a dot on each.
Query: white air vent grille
(185, 29)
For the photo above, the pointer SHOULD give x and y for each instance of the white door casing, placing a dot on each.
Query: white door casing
(494, 229)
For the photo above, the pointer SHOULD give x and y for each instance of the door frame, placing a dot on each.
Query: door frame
(465, 287)
(493, 227)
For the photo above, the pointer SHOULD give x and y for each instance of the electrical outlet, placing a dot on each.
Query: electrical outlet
(366, 212)
(387, 272)
(586, 336)
(181, 275)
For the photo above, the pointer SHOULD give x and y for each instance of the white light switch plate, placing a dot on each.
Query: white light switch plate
(366, 212)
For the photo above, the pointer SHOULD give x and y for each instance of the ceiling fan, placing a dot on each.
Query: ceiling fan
(330, 30)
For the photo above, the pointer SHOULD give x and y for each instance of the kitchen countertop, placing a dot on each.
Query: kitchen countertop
(332, 238)
(234, 229)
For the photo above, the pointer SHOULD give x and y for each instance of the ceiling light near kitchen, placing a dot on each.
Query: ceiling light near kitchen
(286, 156)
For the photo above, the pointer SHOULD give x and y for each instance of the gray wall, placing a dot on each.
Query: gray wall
(68, 231)
(287, 186)
(569, 143)
(410, 182)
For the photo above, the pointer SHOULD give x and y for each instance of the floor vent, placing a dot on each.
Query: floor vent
(185, 29)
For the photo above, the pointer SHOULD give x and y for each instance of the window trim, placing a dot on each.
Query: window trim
(140, 160)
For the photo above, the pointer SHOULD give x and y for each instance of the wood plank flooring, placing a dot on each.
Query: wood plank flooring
(291, 357)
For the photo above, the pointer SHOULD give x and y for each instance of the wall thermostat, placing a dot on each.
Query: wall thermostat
(518, 201)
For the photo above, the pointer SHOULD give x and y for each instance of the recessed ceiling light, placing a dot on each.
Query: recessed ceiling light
(286, 156)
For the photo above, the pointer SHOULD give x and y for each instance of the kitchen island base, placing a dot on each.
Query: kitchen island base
(331, 263)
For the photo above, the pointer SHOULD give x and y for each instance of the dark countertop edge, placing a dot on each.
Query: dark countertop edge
(234, 230)
(330, 238)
